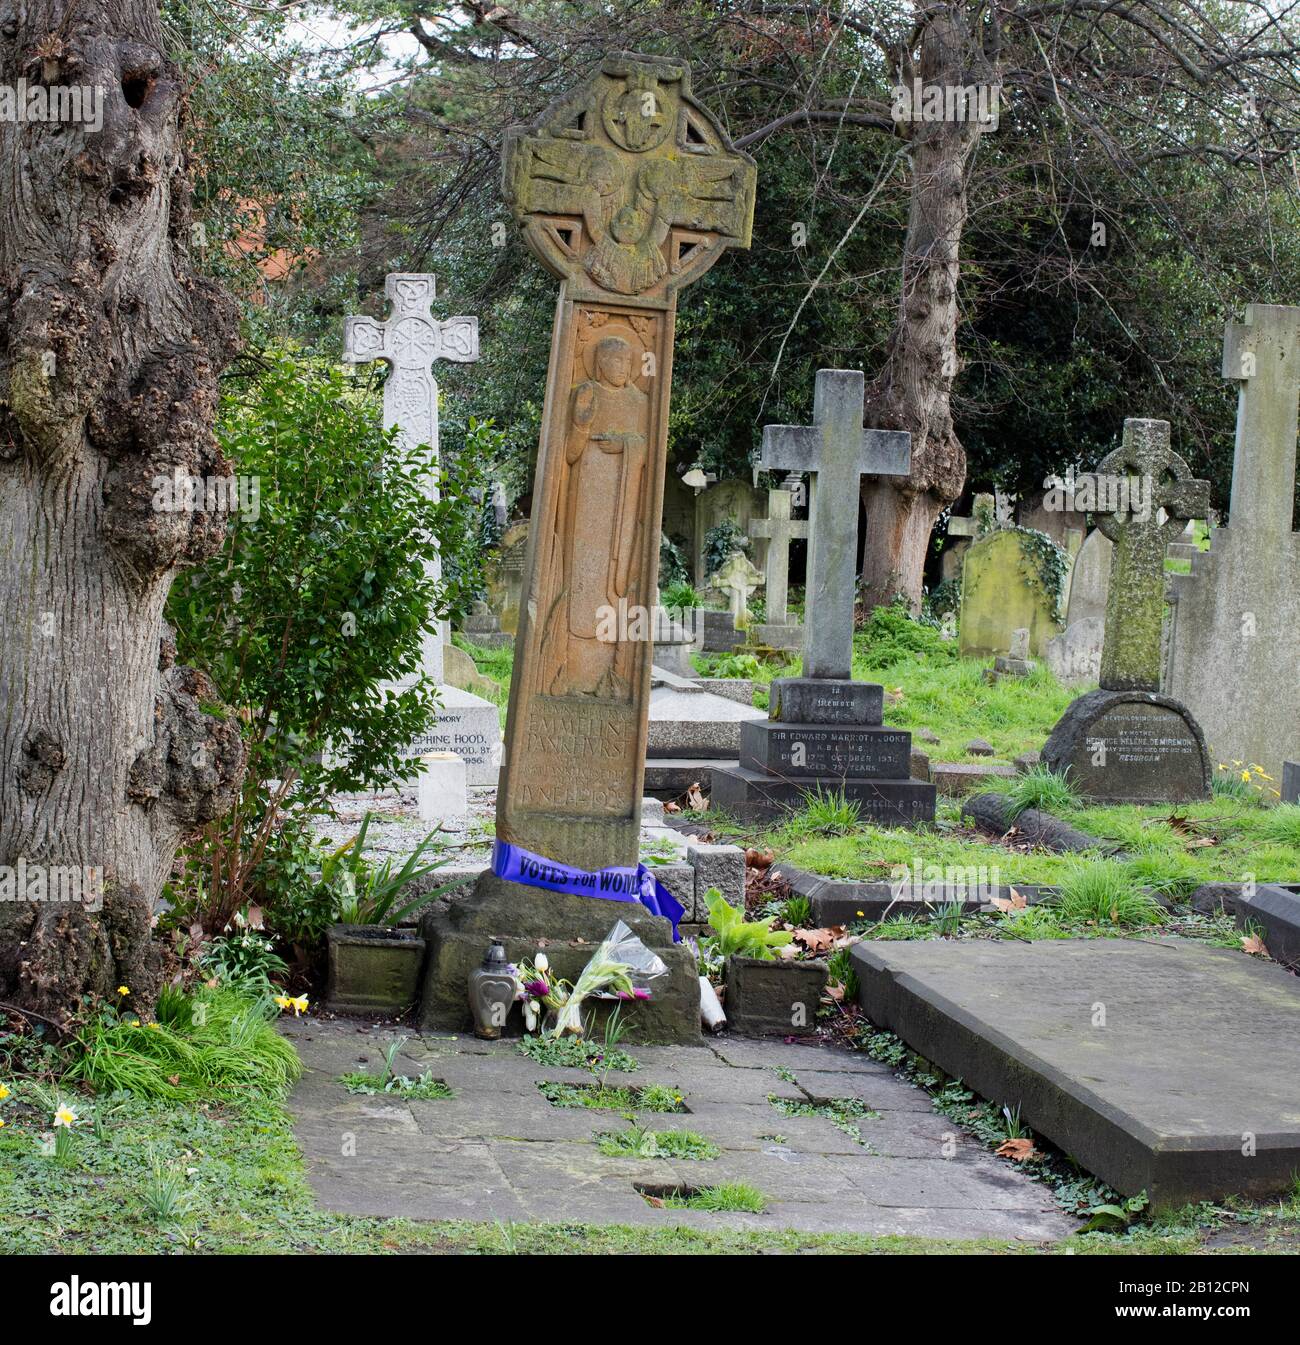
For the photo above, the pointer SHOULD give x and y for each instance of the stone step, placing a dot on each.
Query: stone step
(755, 797)
(818, 751)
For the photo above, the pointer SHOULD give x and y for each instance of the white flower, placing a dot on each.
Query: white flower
(542, 963)
(530, 1015)
(64, 1116)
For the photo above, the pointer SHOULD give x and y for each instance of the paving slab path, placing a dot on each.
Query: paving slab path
(498, 1150)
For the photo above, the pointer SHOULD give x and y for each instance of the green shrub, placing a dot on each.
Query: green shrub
(318, 602)
(827, 813)
(212, 1045)
(242, 959)
(721, 541)
(892, 635)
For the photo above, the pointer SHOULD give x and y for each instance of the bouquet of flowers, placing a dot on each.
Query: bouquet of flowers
(618, 969)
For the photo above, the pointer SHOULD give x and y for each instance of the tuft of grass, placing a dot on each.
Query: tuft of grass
(1039, 788)
(653, 1097)
(827, 813)
(576, 1053)
(642, 1142)
(725, 1198)
(1281, 825)
(222, 1047)
(1103, 891)
(165, 1195)
(422, 1088)
(797, 911)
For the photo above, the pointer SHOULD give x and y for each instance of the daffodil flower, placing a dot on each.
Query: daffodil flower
(64, 1116)
(153, 1027)
(123, 990)
(4, 1092)
(299, 1004)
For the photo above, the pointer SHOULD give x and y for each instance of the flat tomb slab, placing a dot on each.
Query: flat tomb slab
(1158, 1064)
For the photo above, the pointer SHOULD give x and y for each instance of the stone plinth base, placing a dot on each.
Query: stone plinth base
(572, 928)
(751, 796)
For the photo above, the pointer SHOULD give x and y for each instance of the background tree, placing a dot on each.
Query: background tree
(1126, 116)
(110, 347)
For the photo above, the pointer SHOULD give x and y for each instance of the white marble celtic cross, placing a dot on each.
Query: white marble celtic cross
(410, 340)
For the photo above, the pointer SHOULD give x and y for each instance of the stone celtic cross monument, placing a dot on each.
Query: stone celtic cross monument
(1235, 645)
(1127, 743)
(627, 189)
(409, 341)
(824, 729)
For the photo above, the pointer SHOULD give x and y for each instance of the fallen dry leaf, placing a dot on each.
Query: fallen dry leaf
(695, 799)
(1179, 822)
(818, 940)
(1201, 842)
(1253, 944)
(1015, 902)
(834, 993)
(672, 808)
(173, 1079)
(1020, 1150)
(655, 1201)
(759, 859)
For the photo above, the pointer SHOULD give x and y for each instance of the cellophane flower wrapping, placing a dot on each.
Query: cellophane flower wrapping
(621, 968)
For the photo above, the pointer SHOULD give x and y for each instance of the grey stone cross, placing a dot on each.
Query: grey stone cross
(410, 340)
(838, 452)
(780, 530)
(1135, 602)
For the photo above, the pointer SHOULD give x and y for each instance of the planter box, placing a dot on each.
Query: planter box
(773, 998)
(373, 969)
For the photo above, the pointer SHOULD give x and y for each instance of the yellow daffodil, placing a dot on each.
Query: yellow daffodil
(135, 1022)
(282, 1001)
(123, 990)
(153, 1027)
(1245, 775)
(65, 1116)
(2, 1122)
(299, 1003)
(4, 1092)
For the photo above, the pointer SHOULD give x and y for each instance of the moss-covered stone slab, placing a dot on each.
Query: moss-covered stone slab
(1161, 1065)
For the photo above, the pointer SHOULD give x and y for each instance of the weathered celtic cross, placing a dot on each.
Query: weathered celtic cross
(410, 341)
(627, 189)
(1135, 604)
(839, 452)
(780, 530)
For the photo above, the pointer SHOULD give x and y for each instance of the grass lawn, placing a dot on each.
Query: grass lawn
(235, 1183)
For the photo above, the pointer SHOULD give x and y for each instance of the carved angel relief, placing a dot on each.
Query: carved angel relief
(630, 182)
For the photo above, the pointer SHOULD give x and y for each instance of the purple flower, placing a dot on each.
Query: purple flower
(640, 993)
(538, 988)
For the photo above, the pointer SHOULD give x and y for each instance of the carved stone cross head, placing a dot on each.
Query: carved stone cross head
(627, 186)
(1165, 480)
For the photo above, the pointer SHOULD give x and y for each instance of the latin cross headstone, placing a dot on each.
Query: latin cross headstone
(1135, 602)
(780, 530)
(837, 452)
(409, 341)
(737, 578)
(1235, 641)
(627, 189)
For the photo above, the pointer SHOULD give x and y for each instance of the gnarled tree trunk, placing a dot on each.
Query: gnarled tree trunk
(913, 390)
(110, 347)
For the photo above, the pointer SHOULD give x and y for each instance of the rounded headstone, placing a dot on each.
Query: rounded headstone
(1130, 747)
